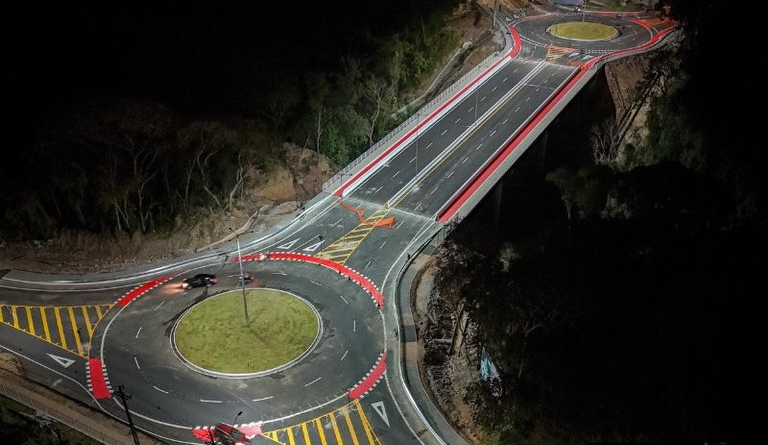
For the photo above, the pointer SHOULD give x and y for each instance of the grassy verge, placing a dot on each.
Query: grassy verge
(213, 334)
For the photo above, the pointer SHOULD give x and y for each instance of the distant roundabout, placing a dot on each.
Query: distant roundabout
(583, 31)
(211, 337)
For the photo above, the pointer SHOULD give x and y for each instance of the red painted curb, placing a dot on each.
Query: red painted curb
(98, 382)
(516, 39)
(370, 380)
(464, 196)
(352, 274)
(142, 289)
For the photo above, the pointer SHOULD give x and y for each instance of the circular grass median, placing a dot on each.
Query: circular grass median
(213, 337)
(584, 31)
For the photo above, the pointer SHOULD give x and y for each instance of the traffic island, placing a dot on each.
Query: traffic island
(583, 31)
(212, 338)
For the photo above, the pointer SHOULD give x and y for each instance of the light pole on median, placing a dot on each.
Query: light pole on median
(234, 422)
(242, 278)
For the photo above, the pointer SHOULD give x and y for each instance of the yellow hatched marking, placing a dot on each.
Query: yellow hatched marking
(305, 433)
(30, 321)
(87, 322)
(555, 53)
(320, 432)
(61, 328)
(272, 435)
(351, 428)
(289, 432)
(74, 330)
(45, 324)
(335, 429)
(2, 319)
(15, 317)
(340, 250)
(98, 312)
(372, 439)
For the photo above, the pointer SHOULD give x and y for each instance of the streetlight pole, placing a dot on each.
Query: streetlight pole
(234, 422)
(242, 276)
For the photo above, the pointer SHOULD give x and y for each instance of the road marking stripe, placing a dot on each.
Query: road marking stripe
(364, 421)
(15, 317)
(76, 334)
(335, 429)
(30, 320)
(62, 338)
(45, 325)
(320, 432)
(351, 428)
(305, 433)
(289, 431)
(87, 322)
(98, 312)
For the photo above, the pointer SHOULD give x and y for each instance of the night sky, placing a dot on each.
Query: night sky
(197, 58)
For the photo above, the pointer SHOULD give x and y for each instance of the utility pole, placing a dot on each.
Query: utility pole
(123, 398)
(242, 276)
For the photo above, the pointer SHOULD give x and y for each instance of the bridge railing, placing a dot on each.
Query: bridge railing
(422, 112)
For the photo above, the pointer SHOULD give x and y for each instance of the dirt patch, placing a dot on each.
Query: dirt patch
(268, 201)
(448, 363)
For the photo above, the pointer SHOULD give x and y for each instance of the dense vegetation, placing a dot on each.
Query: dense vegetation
(127, 122)
(622, 302)
(21, 425)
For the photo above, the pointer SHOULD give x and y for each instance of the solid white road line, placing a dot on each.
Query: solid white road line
(262, 399)
(161, 390)
(345, 354)
(137, 362)
(138, 332)
(313, 381)
(345, 300)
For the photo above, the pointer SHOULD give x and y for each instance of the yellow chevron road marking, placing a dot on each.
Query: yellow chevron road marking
(75, 322)
(312, 432)
(335, 429)
(372, 439)
(29, 319)
(45, 325)
(555, 52)
(341, 249)
(62, 338)
(320, 432)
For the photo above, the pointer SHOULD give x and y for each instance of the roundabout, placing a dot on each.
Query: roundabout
(212, 338)
(312, 330)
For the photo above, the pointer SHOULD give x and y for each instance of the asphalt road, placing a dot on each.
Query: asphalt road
(69, 330)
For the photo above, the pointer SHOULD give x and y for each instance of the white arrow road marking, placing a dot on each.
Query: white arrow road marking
(313, 247)
(288, 245)
(65, 362)
(379, 408)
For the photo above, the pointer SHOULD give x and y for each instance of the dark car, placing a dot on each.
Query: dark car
(199, 280)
